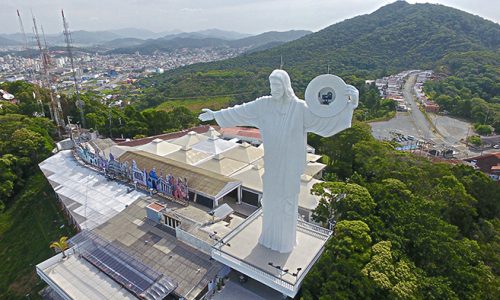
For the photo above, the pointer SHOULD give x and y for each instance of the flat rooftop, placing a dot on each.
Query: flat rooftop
(241, 251)
(81, 280)
(88, 196)
(159, 249)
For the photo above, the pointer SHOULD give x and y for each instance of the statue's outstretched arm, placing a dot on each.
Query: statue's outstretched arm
(207, 115)
(246, 114)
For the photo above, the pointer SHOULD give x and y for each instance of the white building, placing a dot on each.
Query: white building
(138, 242)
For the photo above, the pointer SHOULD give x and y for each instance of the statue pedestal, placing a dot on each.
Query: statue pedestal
(283, 272)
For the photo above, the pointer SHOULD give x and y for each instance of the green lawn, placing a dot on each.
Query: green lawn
(26, 230)
(196, 104)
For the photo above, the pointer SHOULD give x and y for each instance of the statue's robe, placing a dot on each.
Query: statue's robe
(283, 125)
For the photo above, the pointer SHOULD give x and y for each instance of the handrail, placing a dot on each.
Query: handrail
(236, 229)
(282, 282)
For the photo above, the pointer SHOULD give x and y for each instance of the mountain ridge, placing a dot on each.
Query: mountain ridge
(394, 37)
(197, 40)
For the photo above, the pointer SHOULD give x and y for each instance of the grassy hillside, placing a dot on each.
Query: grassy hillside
(26, 229)
(196, 104)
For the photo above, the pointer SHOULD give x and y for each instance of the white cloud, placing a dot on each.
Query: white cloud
(251, 16)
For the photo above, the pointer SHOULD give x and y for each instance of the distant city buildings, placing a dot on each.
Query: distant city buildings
(429, 105)
(390, 87)
(96, 71)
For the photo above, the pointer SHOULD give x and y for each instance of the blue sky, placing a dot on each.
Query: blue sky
(247, 16)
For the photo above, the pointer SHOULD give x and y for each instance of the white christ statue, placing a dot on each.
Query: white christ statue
(284, 121)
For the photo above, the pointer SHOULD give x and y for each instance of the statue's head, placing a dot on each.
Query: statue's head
(281, 86)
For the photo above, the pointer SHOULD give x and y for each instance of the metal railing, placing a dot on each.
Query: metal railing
(261, 272)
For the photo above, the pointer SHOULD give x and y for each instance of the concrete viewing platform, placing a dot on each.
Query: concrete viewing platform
(284, 272)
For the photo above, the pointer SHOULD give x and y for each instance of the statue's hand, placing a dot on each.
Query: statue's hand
(207, 115)
(352, 94)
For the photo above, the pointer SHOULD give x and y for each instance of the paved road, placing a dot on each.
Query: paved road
(409, 123)
(424, 129)
(444, 132)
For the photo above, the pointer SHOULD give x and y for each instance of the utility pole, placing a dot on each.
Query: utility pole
(110, 123)
(55, 107)
(67, 37)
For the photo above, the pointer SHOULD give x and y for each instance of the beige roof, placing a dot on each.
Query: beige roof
(190, 139)
(259, 163)
(245, 153)
(313, 157)
(211, 133)
(101, 144)
(251, 177)
(222, 165)
(190, 157)
(117, 150)
(214, 145)
(202, 181)
(159, 147)
(306, 200)
(313, 168)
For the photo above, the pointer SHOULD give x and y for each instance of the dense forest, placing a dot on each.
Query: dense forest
(30, 217)
(407, 228)
(24, 140)
(471, 88)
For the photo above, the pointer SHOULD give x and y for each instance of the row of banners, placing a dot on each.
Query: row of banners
(168, 185)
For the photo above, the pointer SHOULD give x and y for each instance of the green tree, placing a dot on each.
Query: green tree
(29, 146)
(339, 150)
(458, 207)
(475, 140)
(396, 278)
(60, 245)
(341, 201)
(482, 188)
(8, 108)
(483, 129)
(7, 176)
(337, 275)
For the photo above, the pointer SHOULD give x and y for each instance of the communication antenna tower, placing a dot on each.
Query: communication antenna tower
(55, 112)
(67, 37)
(21, 26)
(45, 41)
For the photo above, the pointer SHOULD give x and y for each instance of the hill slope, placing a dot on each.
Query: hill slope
(218, 38)
(8, 42)
(395, 37)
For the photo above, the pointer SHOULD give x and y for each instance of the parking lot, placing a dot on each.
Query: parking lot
(443, 133)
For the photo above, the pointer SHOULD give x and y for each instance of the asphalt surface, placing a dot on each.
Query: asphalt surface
(443, 132)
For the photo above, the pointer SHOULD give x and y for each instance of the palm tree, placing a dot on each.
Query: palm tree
(62, 245)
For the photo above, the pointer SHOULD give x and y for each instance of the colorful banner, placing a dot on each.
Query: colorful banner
(168, 185)
(173, 187)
